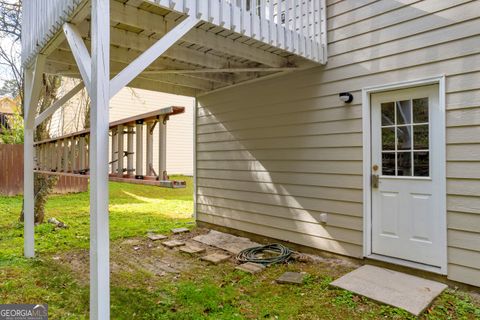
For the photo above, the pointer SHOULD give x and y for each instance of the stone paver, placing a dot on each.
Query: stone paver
(192, 250)
(156, 237)
(215, 258)
(397, 289)
(173, 243)
(291, 278)
(180, 230)
(251, 267)
(226, 241)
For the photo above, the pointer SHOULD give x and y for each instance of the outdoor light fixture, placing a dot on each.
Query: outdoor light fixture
(346, 97)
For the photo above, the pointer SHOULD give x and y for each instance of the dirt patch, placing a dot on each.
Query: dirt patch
(141, 260)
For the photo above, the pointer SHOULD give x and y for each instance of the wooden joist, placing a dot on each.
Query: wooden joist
(68, 155)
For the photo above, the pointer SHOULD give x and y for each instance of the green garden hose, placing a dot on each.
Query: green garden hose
(280, 254)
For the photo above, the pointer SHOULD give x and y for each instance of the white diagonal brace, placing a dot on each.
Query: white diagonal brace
(153, 53)
(33, 87)
(58, 104)
(80, 53)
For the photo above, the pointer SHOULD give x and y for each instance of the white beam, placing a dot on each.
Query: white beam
(99, 117)
(222, 70)
(58, 104)
(152, 54)
(80, 53)
(33, 85)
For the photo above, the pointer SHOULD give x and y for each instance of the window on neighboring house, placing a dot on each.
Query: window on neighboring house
(4, 121)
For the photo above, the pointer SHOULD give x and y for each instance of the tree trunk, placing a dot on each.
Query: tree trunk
(44, 184)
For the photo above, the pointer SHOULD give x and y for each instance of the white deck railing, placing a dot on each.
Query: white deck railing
(41, 21)
(296, 26)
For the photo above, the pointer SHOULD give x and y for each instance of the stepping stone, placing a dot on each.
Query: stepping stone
(291, 278)
(216, 258)
(132, 242)
(397, 289)
(156, 237)
(173, 243)
(180, 230)
(225, 241)
(251, 267)
(192, 250)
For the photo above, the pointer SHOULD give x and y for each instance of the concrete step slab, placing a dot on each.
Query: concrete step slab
(180, 230)
(192, 249)
(404, 291)
(216, 258)
(291, 278)
(156, 237)
(250, 267)
(173, 243)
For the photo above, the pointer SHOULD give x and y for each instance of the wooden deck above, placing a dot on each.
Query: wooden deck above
(234, 40)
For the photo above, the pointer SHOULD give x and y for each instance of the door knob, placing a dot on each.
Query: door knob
(375, 180)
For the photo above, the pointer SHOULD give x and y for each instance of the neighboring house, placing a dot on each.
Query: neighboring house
(8, 107)
(393, 175)
(130, 102)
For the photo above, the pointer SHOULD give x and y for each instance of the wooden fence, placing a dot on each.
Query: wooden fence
(11, 174)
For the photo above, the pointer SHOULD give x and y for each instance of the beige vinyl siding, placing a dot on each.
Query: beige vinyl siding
(275, 154)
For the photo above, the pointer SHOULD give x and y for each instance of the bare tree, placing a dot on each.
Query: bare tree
(10, 60)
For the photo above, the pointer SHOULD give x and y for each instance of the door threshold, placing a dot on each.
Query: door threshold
(406, 263)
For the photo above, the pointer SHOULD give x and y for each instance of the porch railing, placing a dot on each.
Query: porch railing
(41, 21)
(296, 26)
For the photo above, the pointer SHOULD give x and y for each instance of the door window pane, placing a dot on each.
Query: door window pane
(404, 164)
(420, 137)
(388, 139)
(388, 163)
(404, 138)
(421, 162)
(420, 110)
(404, 112)
(388, 114)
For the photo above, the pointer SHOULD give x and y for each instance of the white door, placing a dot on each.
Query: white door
(406, 175)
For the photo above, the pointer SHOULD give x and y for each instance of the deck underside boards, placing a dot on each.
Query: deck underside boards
(207, 58)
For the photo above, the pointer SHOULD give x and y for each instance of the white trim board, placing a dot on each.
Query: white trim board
(367, 194)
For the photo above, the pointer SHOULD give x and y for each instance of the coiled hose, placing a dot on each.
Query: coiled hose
(281, 254)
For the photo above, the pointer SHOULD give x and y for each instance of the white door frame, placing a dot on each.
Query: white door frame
(367, 159)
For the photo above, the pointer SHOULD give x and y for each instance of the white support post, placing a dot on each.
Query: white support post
(82, 154)
(130, 152)
(99, 197)
(65, 155)
(33, 85)
(162, 152)
(149, 163)
(121, 150)
(73, 154)
(139, 150)
(114, 151)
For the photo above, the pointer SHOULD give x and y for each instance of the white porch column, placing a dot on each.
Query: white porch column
(99, 220)
(162, 152)
(33, 84)
(149, 163)
(139, 150)
(130, 152)
(121, 150)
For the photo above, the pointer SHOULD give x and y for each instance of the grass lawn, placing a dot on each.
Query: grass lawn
(59, 274)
